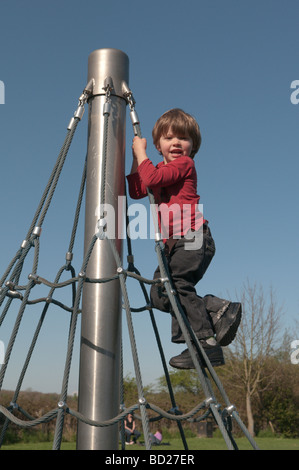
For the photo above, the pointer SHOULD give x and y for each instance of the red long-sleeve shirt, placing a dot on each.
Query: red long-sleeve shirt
(174, 187)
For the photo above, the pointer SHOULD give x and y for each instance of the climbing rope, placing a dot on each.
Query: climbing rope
(10, 291)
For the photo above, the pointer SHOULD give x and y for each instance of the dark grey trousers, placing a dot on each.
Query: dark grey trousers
(186, 268)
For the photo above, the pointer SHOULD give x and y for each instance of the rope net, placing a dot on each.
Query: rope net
(12, 293)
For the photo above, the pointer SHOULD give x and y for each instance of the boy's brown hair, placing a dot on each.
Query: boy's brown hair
(181, 124)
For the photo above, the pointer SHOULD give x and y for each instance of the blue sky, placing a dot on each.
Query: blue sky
(231, 65)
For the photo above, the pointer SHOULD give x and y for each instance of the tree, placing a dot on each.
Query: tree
(256, 340)
(182, 380)
(279, 403)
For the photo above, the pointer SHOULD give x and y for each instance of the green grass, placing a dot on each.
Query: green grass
(194, 443)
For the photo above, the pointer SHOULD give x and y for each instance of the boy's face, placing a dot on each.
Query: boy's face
(173, 146)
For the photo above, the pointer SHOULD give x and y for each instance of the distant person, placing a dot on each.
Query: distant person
(130, 429)
(156, 439)
(173, 182)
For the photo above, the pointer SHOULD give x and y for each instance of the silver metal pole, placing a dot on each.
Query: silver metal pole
(101, 303)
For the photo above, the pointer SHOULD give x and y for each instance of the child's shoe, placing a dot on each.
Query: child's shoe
(227, 323)
(212, 350)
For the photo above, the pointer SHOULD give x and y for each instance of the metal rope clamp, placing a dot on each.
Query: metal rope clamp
(128, 95)
(12, 292)
(228, 411)
(82, 101)
(102, 227)
(107, 88)
(34, 278)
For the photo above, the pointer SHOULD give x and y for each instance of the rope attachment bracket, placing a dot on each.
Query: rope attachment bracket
(83, 98)
(128, 95)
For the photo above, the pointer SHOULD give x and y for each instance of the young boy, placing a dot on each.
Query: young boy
(173, 182)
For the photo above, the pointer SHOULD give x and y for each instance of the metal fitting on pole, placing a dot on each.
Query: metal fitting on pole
(134, 118)
(108, 87)
(102, 227)
(133, 114)
(107, 108)
(78, 114)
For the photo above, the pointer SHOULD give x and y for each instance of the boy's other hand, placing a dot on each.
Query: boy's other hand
(139, 149)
